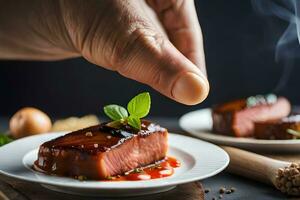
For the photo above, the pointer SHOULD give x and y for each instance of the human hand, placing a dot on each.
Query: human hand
(158, 42)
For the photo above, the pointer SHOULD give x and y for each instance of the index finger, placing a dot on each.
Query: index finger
(180, 21)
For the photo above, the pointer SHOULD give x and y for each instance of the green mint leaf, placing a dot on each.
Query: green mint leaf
(134, 122)
(139, 106)
(261, 99)
(115, 112)
(271, 98)
(293, 132)
(4, 139)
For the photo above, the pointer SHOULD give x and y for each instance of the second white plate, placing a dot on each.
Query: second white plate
(199, 124)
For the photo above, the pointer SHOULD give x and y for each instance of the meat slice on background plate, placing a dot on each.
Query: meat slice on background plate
(278, 129)
(237, 118)
(99, 152)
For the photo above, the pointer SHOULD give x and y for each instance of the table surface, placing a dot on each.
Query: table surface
(245, 188)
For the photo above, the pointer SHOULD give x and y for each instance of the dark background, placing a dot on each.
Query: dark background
(239, 46)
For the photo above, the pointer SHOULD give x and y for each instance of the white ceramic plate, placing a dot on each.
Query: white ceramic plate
(199, 124)
(199, 160)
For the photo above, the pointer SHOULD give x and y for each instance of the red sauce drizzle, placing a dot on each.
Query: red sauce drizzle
(159, 170)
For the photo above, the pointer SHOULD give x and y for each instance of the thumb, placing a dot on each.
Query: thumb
(152, 59)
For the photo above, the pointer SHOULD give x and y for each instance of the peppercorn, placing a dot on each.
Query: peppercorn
(222, 190)
(227, 191)
(233, 189)
(207, 190)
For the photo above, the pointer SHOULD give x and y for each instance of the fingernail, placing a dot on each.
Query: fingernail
(190, 88)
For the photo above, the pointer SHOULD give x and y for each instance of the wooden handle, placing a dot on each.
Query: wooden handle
(252, 165)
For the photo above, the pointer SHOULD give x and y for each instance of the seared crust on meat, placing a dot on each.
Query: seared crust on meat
(277, 129)
(100, 151)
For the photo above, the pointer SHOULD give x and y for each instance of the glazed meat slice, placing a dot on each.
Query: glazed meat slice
(237, 119)
(100, 151)
(277, 129)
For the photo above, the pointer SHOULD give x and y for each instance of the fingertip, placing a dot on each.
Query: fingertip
(190, 88)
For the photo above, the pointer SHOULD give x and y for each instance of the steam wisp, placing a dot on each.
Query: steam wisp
(288, 46)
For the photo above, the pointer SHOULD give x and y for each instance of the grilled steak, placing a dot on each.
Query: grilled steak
(237, 118)
(99, 152)
(277, 129)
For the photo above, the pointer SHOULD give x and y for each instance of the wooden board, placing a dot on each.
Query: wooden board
(11, 189)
